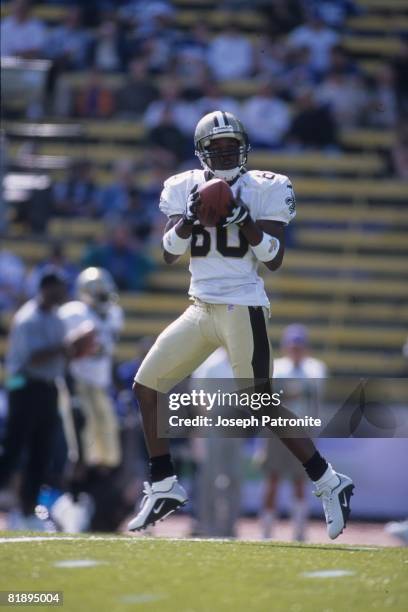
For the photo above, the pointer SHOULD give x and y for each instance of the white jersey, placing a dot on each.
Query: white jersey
(223, 268)
(96, 369)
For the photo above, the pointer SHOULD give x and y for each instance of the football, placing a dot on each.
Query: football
(215, 195)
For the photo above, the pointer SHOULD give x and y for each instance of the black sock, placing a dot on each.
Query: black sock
(316, 466)
(160, 467)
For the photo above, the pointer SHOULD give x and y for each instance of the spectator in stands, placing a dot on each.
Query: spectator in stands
(152, 19)
(139, 217)
(95, 99)
(237, 55)
(192, 70)
(76, 196)
(59, 261)
(346, 96)
(191, 57)
(400, 67)
(399, 151)
(155, 36)
(315, 35)
(21, 35)
(160, 168)
(185, 115)
(119, 255)
(282, 15)
(12, 281)
(114, 199)
(109, 51)
(313, 125)
(383, 108)
(335, 12)
(340, 61)
(123, 200)
(68, 43)
(137, 93)
(299, 71)
(266, 117)
(168, 139)
(213, 99)
(270, 57)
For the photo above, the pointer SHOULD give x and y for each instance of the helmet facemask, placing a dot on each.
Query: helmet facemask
(223, 161)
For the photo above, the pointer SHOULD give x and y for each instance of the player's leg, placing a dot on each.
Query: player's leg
(177, 352)
(89, 432)
(108, 428)
(17, 432)
(40, 444)
(244, 333)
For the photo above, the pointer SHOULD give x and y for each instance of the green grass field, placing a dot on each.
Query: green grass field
(196, 575)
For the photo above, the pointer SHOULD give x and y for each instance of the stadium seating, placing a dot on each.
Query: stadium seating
(345, 276)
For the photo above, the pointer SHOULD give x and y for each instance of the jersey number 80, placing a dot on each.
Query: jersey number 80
(201, 243)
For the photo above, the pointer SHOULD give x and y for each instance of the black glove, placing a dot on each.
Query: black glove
(192, 204)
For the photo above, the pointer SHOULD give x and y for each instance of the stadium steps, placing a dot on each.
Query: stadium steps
(162, 304)
(347, 362)
(219, 19)
(33, 251)
(310, 163)
(388, 189)
(48, 12)
(353, 363)
(322, 334)
(368, 215)
(373, 24)
(389, 6)
(372, 45)
(296, 261)
(282, 284)
(367, 138)
(374, 240)
(302, 261)
(116, 131)
(77, 232)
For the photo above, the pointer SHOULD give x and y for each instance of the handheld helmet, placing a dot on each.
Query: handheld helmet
(215, 125)
(96, 287)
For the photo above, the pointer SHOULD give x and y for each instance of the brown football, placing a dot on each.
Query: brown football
(215, 197)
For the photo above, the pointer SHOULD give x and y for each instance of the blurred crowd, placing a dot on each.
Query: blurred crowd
(308, 86)
(132, 61)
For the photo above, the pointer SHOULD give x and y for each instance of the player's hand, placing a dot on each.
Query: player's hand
(192, 204)
(238, 212)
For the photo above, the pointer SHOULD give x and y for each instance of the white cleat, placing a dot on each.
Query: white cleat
(335, 495)
(160, 499)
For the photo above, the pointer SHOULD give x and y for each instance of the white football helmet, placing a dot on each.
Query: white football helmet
(96, 287)
(220, 124)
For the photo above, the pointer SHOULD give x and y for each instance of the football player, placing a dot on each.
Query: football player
(230, 307)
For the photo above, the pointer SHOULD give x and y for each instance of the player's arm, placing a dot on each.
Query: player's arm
(265, 237)
(269, 237)
(179, 228)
